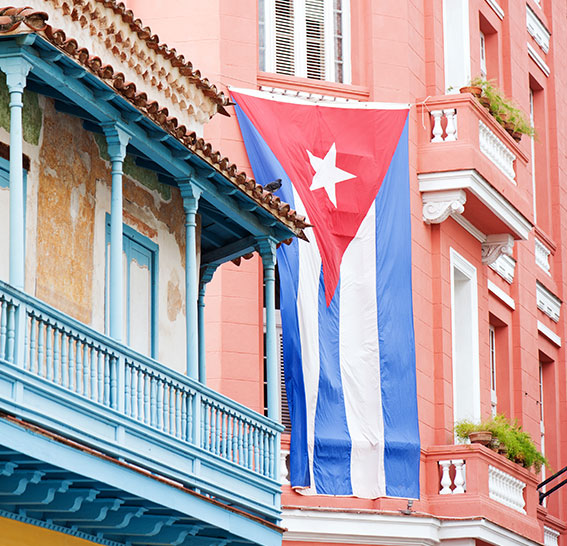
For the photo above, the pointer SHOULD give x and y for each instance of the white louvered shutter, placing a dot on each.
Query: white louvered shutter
(315, 38)
(285, 37)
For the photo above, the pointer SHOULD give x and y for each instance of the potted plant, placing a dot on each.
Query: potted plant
(504, 110)
(508, 438)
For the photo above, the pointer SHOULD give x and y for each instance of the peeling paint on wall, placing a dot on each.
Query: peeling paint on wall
(32, 115)
(143, 176)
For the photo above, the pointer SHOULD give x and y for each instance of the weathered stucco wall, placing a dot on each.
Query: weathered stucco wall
(68, 197)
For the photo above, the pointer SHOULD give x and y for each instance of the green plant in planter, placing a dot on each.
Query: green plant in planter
(504, 110)
(519, 445)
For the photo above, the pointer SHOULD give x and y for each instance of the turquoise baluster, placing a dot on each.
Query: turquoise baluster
(48, 353)
(246, 442)
(240, 438)
(171, 410)
(106, 373)
(11, 333)
(39, 346)
(177, 394)
(224, 450)
(64, 364)
(255, 464)
(113, 372)
(79, 366)
(32, 344)
(140, 394)
(93, 365)
(56, 362)
(266, 470)
(153, 381)
(234, 457)
(71, 362)
(127, 387)
(134, 392)
(146, 398)
(86, 371)
(3, 328)
(100, 375)
(260, 463)
(184, 398)
(207, 435)
(273, 465)
(160, 387)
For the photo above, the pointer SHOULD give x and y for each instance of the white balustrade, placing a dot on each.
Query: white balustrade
(550, 536)
(449, 134)
(505, 489)
(493, 148)
(455, 484)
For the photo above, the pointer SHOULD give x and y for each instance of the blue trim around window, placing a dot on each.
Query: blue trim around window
(145, 251)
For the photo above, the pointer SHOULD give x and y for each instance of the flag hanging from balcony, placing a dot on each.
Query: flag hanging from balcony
(346, 297)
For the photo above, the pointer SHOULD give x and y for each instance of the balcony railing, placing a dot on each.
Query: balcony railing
(65, 376)
(474, 481)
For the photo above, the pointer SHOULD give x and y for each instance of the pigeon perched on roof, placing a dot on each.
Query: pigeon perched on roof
(273, 186)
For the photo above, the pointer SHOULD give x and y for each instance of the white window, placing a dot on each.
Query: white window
(464, 314)
(482, 55)
(492, 350)
(307, 38)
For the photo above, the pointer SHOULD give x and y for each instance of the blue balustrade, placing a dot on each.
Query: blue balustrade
(67, 356)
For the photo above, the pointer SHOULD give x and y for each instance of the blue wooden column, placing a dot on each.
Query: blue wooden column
(190, 193)
(117, 139)
(206, 276)
(267, 249)
(16, 70)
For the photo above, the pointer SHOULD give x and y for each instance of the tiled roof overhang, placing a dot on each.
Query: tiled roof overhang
(13, 21)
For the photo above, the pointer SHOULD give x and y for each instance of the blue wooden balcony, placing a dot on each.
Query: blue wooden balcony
(76, 382)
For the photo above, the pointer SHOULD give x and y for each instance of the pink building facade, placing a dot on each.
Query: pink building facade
(487, 222)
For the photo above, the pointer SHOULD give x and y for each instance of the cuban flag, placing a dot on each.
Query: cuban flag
(346, 296)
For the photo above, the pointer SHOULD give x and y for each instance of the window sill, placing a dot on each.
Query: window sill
(319, 87)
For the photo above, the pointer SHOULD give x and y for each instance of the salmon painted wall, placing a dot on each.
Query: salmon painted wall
(397, 55)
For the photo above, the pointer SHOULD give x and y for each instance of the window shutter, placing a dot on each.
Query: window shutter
(285, 39)
(285, 418)
(315, 38)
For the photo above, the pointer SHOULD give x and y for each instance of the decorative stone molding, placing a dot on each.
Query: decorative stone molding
(550, 536)
(547, 302)
(505, 489)
(470, 180)
(505, 266)
(548, 333)
(496, 246)
(439, 205)
(493, 148)
(542, 254)
(537, 30)
(538, 60)
(496, 8)
(501, 295)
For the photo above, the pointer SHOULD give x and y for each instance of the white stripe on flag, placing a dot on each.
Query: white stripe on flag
(308, 320)
(360, 361)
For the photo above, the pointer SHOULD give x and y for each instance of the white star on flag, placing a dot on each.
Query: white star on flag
(327, 174)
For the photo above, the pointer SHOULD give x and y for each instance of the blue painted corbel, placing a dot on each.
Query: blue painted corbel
(16, 70)
(191, 193)
(267, 248)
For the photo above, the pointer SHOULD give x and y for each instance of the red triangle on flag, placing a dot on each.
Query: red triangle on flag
(336, 158)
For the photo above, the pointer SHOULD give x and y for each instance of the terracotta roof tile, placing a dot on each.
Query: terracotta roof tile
(11, 18)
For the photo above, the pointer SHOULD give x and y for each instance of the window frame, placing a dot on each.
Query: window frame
(129, 236)
(267, 46)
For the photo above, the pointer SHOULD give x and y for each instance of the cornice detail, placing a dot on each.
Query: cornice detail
(439, 205)
(547, 302)
(496, 246)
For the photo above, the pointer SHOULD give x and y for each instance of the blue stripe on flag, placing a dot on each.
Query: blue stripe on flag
(395, 328)
(267, 168)
(332, 449)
